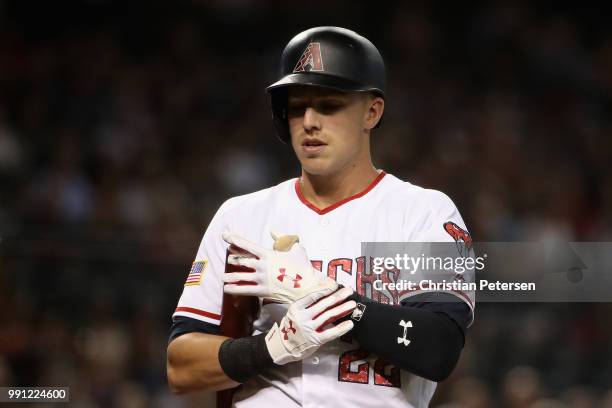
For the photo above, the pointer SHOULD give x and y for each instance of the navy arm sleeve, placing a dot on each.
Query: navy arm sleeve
(183, 325)
(424, 336)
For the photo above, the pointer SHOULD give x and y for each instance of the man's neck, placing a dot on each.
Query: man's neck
(323, 191)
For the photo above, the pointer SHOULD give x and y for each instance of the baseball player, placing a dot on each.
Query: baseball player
(323, 337)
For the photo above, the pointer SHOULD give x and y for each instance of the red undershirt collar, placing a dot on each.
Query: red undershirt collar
(327, 209)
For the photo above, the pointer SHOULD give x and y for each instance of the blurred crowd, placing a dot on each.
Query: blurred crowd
(123, 127)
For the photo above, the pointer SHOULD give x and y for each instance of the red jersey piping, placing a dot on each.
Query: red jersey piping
(198, 312)
(325, 210)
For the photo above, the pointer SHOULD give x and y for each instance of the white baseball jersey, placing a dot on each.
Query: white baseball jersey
(339, 374)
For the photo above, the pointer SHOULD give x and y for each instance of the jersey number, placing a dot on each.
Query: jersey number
(354, 366)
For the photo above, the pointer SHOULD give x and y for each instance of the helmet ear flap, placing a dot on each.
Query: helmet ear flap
(278, 101)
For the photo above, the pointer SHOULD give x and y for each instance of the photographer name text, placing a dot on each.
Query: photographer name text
(427, 284)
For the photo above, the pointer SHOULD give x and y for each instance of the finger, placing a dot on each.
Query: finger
(243, 243)
(246, 277)
(327, 302)
(240, 260)
(336, 331)
(236, 250)
(333, 314)
(243, 290)
(312, 297)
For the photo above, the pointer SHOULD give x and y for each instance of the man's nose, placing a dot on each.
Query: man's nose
(311, 120)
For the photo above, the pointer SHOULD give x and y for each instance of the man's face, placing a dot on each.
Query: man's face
(328, 128)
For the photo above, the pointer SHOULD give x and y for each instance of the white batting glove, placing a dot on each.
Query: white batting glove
(303, 329)
(279, 276)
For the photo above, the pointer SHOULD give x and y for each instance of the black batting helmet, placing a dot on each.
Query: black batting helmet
(329, 57)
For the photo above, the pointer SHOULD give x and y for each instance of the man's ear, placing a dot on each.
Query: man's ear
(375, 107)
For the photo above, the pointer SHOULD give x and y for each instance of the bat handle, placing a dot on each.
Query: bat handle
(237, 316)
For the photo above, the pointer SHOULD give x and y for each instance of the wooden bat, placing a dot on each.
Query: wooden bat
(239, 312)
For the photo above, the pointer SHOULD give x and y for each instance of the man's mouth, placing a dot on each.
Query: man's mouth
(313, 147)
(313, 143)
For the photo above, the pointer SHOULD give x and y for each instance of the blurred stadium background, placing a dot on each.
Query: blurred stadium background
(123, 127)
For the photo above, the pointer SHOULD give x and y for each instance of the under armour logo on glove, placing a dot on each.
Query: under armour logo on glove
(286, 330)
(306, 326)
(283, 274)
(403, 339)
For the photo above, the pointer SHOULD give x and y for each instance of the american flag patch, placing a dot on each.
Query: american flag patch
(196, 273)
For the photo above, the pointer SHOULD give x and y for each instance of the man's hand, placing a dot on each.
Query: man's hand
(306, 326)
(279, 276)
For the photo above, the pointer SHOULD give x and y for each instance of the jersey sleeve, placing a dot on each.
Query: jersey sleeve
(447, 236)
(203, 291)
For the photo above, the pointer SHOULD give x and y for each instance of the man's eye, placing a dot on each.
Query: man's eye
(323, 107)
(329, 107)
(295, 109)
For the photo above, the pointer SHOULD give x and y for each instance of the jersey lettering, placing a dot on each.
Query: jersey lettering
(354, 366)
(364, 277)
(345, 264)
(462, 238)
(386, 374)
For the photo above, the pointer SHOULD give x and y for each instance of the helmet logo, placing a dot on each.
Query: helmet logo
(311, 59)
